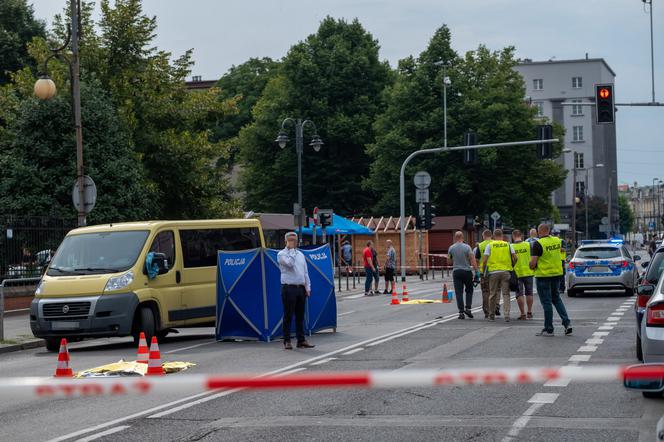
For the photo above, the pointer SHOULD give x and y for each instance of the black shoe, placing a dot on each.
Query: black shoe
(497, 312)
(568, 330)
(368, 294)
(287, 345)
(304, 344)
(386, 292)
(468, 313)
(461, 315)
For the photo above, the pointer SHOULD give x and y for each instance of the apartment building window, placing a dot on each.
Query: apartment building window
(538, 84)
(577, 133)
(578, 160)
(577, 109)
(577, 82)
(580, 189)
(540, 108)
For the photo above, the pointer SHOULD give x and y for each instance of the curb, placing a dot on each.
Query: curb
(35, 343)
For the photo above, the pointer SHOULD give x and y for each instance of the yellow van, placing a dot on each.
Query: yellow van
(121, 279)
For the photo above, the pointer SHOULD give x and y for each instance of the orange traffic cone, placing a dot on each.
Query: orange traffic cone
(143, 352)
(63, 370)
(395, 298)
(404, 295)
(154, 363)
(446, 298)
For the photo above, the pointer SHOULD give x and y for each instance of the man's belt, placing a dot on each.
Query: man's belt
(293, 285)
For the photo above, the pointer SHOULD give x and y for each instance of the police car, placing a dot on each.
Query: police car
(601, 266)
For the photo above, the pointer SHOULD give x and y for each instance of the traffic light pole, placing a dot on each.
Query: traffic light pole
(402, 183)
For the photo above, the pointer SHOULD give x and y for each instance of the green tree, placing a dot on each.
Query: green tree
(626, 215)
(335, 78)
(18, 27)
(39, 166)
(486, 96)
(597, 209)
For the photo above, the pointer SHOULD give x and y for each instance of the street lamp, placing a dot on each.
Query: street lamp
(316, 143)
(596, 166)
(45, 89)
(446, 82)
(574, 195)
(654, 199)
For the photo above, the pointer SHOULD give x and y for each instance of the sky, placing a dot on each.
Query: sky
(224, 33)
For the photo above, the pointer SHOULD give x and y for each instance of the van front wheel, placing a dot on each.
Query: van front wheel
(144, 322)
(53, 344)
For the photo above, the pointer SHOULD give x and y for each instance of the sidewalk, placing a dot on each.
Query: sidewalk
(18, 335)
(412, 281)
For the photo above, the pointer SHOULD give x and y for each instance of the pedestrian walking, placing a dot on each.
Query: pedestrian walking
(369, 268)
(652, 245)
(347, 256)
(376, 276)
(524, 274)
(499, 258)
(464, 265)
(545, 261)
(295, 288)
(484, 276)
(390, 267)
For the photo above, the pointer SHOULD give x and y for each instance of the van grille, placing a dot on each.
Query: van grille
(73, 310)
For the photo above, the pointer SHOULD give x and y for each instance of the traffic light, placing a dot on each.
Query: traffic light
(469, 155)
(544, 132)
(605, 106)
(428, 215)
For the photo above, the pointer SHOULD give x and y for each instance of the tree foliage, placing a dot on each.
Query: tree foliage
(597, 209)
(18, 27)
(485, 96)
(334, 78)
(626, 215)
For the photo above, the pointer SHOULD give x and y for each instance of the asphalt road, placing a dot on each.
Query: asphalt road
(370, 335)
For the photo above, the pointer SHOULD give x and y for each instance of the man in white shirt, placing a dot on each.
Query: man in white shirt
(295, 288)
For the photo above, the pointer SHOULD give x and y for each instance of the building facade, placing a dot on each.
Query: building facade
(647, 204)
(564, 92)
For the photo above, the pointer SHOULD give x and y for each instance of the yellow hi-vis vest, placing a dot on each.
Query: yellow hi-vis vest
(500, 257)
(563, 252)
(548, 265)
(522, 266)
(481, 247)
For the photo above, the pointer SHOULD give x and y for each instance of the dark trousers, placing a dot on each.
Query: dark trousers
(293, 298)
(463, 279)
(547, 290)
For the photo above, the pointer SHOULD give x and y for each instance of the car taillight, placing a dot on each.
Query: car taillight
(624, 264)
(642, 300)
(655, 315)
(571, 265)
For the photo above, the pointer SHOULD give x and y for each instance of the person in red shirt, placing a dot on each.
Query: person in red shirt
(369, 268)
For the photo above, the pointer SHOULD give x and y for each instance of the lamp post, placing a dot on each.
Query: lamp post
(45, 89)
(316, 143)
(654, 205)
(574, 196)
(652, 51)
(446, 82)
(596, 166)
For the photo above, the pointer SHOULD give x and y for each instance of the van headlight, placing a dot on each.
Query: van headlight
(119, 282)
(40, 288)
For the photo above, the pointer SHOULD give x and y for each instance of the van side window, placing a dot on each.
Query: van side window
(199, 247)
(164, 243)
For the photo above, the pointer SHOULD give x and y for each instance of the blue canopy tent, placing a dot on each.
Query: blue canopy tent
(249, 294)
(340, 226)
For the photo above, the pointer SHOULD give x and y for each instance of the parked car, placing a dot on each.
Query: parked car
(601, 266)
(651, 337)
(646, 288)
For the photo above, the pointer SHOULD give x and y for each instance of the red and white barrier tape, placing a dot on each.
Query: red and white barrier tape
(21, 387)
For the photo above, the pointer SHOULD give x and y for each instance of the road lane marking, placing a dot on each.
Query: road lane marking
(587, 348)
(618, 313)
(323, 361)
(579, 358)
(613, 319)
(188, 348)
(600, 333)
(594, 341)
(355, 350)
(361, 295)
(543, 398)
(561, 382)
(103, 433)
(346, 313)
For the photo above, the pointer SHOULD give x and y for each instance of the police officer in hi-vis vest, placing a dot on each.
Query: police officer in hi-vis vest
(499, 258)
(524, 274)
(484, 276)
(545, 261)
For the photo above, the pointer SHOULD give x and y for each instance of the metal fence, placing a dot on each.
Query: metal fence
(27, 244)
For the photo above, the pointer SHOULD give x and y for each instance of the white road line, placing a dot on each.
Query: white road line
(353, 351)
(538, 401)
(345, 313)
(543, 398)
(587, 348)
(579, 358)
(613, 319)
(618, 313)
(225, 393)
(594, 341)
(323, 361)
(601, 333)
(188, 348)
(606, 327)
(561, 382)
(103, 433)
(361, 295)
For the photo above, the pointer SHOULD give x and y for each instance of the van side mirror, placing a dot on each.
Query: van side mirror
(161, 261)
(645, 264)
(155, 264)
(644, 377)
(645, 290)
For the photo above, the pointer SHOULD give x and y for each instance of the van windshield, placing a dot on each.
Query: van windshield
(97, 253)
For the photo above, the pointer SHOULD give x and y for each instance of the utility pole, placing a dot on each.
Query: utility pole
(574, 202)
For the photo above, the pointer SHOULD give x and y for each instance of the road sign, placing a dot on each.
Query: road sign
(422, 180)
(421, 195)
(495, 216)
(651, 225)
(605, 220)
(604, 228)
(90, 195)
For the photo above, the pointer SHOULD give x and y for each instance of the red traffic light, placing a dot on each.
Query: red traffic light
(604, 93)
